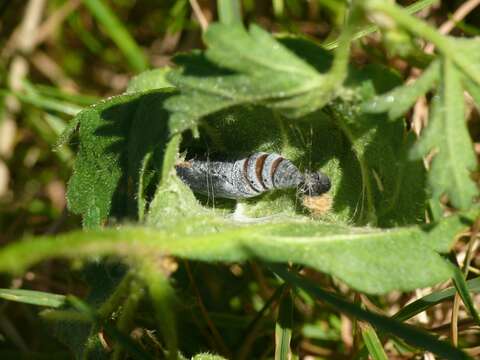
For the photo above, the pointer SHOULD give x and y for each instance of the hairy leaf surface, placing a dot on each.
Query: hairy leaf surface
(270, 73)
(114, 138)
(448, 137)
(370, 260)
(399, 100)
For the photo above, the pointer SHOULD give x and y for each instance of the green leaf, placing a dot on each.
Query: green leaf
(366, 158)
(448, 136)
(465, 53)
(432, 299)
(115, 136)
(229, 11)
(399, 100)
(39, 298)
(149, 80)
(408, 333)
(372, 342)
(389, 188)
(361, 257)
(269, 72)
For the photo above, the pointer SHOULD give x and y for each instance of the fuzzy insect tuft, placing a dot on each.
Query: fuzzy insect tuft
(315, 184)
(318, 205)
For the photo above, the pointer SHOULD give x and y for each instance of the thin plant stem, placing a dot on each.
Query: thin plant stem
(197, 10)
(252, 329)
(215, 333)
(465, 270)
(420, 28)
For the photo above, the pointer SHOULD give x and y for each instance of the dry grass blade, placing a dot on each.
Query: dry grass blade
(459, 14)
(197, 10)
(55, 20)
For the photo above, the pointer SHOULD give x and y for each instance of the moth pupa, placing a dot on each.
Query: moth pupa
(254, 175)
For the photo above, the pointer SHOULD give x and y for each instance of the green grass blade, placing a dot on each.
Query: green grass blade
(372, 342)
(53, 92)
(118, 33)
(283, 328)
(39, 298)
(409, 334)
(46, 103)
(463, 291)
(229, 11)
(432, 299)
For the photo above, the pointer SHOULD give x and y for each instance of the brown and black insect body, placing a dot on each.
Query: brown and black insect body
(250, 177)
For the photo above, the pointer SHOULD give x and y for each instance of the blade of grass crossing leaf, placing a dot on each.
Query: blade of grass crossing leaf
(408, 333)
(118, 33)
(39, 298)
(283, 327)
(372, 342)
(462, 289)
(432, 299)
(229, 11)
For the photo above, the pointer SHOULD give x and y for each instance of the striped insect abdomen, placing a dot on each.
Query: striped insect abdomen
(242, 178)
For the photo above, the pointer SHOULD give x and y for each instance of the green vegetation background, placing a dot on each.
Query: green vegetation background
(58, 57)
